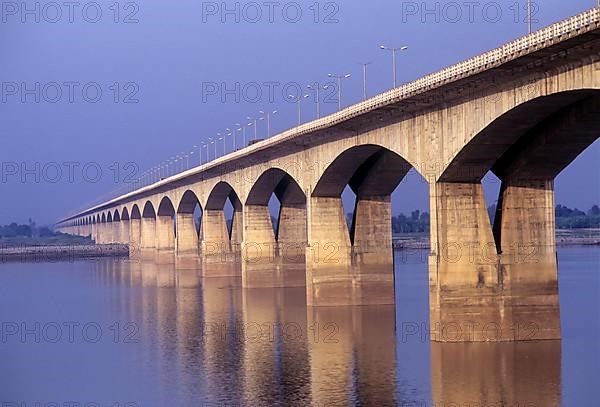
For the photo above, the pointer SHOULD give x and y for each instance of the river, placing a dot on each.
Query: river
(126, 333)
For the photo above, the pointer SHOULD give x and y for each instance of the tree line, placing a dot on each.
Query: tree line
(416, 222)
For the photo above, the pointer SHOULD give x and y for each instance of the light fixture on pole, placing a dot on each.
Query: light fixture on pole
(365, 65)
(241, 128)
(268, 116)
(339, 85)
(255, 130)
(394, 50)
(298, 100)
(316, 88)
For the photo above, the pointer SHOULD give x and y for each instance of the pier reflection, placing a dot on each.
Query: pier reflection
(498, 374)
(211, 340)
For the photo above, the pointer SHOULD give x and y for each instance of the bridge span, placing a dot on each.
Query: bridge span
(524, 111)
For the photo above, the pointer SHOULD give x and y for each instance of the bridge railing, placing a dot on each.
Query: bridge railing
(588, 20)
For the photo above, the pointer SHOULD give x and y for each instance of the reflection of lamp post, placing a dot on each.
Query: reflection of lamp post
(339, 82)
(268, 116)
(298, 100)
(394, 50)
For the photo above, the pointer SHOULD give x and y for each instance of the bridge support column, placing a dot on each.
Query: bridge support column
(165, 239)
(471, 285)
(525, 227)
(339, 273)
(187, 237)
(218, 250)
(124, 231)
(148, 234)
(134, 236)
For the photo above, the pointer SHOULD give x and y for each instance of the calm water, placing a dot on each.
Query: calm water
(114, 332)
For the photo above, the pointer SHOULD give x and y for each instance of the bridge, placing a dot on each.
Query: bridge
(523, 111)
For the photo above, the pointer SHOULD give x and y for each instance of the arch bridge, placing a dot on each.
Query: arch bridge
(523, 111)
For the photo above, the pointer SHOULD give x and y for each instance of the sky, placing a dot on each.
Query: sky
(95, 91)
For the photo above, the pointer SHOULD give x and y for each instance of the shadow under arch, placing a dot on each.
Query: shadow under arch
(187, 238)
(362, 255)
(514, 261)
(124, 214)
(116, 216)
(274, 254)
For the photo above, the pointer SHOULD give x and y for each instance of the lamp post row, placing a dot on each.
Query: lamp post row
(162, 171)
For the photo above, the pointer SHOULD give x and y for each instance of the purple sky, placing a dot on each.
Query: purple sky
(162, 61)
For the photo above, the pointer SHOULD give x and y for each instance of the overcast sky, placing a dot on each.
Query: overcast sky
(156, 64)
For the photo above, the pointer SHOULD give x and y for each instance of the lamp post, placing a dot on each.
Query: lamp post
(298, 100)
(241, 128)
(316, 88)
(253, 124)
(365, 65)
(339, 83)
(268, 116)
(394, 50)
(199, 154)
(211, 141)
(205, 146)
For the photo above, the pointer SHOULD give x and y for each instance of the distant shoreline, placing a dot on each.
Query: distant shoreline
(62, 252)
(415, 241)
(564, 237)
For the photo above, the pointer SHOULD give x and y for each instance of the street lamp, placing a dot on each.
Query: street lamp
(298, 100)
(268, 116)
(339, 81)
(205, 146)
(394, 50)
(232, 134)
(316, 88)
(241, 128)
(365, 65)
(211, 141)
(253, 124)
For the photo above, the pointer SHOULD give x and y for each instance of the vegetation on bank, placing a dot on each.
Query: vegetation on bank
(566, 218)
(15, 235)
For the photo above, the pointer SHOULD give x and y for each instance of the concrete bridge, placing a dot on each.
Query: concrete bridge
(524, 111)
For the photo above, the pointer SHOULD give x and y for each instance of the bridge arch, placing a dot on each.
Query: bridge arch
(109, 217)
(372, 172)
(124, 213)
(103, 218)
(220, 235)
(188, 227)
(116, 216)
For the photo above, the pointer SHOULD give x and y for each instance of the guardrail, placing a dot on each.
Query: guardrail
(571, 27)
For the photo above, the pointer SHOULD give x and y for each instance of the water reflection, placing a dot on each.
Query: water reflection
(496, 374)
(206, 340)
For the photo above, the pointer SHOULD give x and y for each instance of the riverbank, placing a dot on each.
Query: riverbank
(63, 252)
(564, 237)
